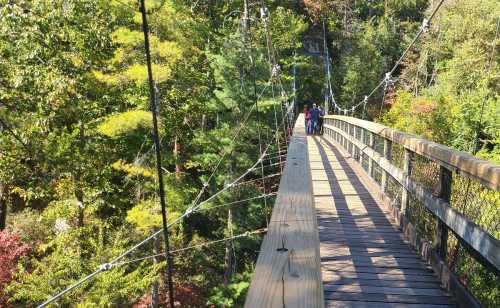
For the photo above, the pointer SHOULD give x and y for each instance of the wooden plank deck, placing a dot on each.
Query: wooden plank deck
(365, 260)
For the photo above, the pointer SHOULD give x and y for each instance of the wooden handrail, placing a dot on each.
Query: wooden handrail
(467, 165)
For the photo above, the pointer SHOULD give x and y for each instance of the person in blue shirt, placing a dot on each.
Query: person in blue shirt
(315, 112)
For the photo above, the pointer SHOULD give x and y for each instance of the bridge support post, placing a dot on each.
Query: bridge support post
(362, 140)
(444, 192)
(407, 166)
(355, 149)
(388, 156)
(371, 143)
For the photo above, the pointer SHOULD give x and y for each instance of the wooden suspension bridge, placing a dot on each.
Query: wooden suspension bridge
(344, 232)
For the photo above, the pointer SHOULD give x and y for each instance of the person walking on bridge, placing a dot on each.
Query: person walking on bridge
(315, 118)
(320, 120)
(307, 117)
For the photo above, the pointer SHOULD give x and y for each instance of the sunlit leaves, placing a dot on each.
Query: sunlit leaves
(126, 122)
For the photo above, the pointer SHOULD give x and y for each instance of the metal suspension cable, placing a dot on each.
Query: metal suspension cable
(254, 82)
(272, 59)
(274, 153)
(235, 202)
(270, 165)
(246, 234)
(423, 28)
(328, 90)
(264, 15)
(255, 180)
(275, 157)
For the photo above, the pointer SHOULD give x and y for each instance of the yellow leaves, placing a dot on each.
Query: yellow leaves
(125, 123)
(139, 74)
(109, 79)
(168, 50)
(138, 18)
(128, 37)
(146, 215)
(165, 55)
(133, 170)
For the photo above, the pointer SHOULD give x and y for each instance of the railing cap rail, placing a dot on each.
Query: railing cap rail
(484, 171)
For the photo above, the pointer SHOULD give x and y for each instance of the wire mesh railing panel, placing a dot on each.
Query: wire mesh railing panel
(350, 147)
(378, 144)
(482, 283)
(422, 219)
(394, 190)
(377, 173)
(425, 172)
(397, 155)
(366, 137)
(358, 133)
(364, 161)
(356, 154)
(477, 203)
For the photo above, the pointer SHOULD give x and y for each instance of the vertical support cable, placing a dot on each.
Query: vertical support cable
(264, 16)
(326, 55)
(156, 138)
(255, 99)
(295, 107)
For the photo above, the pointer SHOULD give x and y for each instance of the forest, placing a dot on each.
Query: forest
(78, 170)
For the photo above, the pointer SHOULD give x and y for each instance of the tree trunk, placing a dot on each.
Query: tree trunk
(203, 122)
(3, 207)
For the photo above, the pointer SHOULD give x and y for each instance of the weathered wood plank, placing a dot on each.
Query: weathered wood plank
(329, 275)
(290, 277)
(387, 298)
(356, 304)
(379, 267)
(382, 290)
(383, 283)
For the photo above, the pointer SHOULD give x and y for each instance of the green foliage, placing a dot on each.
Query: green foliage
(232, 294)
(435, 117)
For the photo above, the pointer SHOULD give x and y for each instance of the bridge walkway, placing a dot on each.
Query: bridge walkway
(365, 260)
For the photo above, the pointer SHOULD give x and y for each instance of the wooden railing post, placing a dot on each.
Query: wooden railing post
(407, 165)
(371, 142)
(355, 149)
(388, 156)
(444, 192)
(362, 140)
